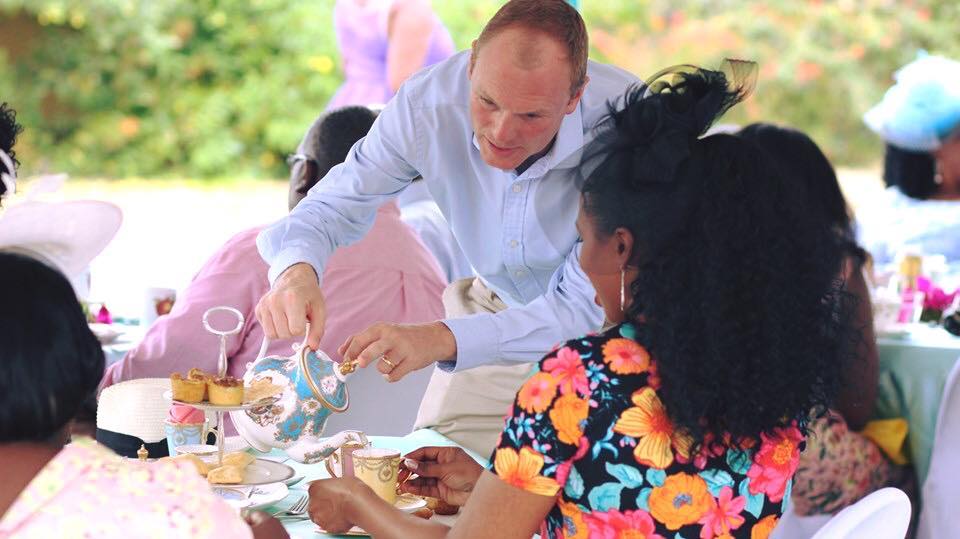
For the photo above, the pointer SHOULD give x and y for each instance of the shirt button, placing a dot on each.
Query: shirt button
(514, 243)
(517, 188)
(518, 273)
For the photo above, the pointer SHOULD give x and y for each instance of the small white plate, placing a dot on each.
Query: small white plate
(105, 333)
(200, 450)
(253, 497)
(408, 503)
(259, 472)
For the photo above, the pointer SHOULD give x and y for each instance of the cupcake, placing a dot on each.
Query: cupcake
(225, 391)
(187, 389)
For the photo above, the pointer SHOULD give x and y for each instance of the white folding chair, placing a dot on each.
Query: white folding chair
(940, 497)
(794, 526)
(884, 514)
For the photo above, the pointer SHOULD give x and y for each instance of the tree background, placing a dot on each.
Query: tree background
(226, 88)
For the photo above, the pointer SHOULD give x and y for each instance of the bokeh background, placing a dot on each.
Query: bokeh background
(183, 111)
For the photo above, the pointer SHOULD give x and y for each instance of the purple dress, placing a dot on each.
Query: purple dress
(362, 40)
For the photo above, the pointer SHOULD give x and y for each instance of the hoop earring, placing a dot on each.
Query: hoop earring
(622, 291)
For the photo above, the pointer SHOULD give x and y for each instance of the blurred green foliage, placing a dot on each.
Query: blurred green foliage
(216, 88)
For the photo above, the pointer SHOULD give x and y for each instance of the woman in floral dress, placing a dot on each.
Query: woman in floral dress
(686, 417)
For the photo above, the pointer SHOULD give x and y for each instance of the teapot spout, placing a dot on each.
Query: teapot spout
(313, 450)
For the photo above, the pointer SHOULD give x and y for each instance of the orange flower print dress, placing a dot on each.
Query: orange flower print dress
(591, 429)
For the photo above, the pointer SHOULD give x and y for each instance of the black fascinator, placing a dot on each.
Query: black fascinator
(652, 129)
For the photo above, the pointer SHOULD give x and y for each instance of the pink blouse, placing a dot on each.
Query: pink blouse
(88, 492)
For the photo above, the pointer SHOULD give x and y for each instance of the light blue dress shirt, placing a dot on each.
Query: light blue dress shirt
(517, 231)
(418, 210)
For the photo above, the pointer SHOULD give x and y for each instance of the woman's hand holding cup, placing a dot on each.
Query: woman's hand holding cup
(446, 473)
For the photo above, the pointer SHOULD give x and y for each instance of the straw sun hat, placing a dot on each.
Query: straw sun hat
(133, 412)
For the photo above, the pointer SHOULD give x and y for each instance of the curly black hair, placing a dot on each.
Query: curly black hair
(737, 295)
(9, 129)
(799, 158)
(914, 173)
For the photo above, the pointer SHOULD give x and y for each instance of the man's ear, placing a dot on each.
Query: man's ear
(304, 176)
(575, 98)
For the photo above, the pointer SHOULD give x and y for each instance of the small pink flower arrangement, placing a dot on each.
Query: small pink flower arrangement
(935, 300)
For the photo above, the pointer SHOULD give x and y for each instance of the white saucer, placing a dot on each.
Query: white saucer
(259, 472)
(408, 503)
(200, 450)
(252, 497)
(105, 333)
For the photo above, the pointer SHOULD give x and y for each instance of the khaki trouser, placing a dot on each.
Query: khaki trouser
(469, 407)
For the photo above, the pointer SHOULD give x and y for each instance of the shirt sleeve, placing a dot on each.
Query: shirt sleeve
(341, 208)
(521, 334)
(178, 341)
(545, 431)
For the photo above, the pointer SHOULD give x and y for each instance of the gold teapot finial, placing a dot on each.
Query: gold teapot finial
(347, 367)
(142, 453)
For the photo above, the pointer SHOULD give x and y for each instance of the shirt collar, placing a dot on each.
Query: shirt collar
(569, 140)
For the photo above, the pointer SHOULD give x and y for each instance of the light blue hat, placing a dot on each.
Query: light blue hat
(922, 108)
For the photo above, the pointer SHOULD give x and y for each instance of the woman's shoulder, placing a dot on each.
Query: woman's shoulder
(86, 477)
(618, 349)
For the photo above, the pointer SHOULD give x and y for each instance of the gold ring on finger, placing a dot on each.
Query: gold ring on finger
(388, 362)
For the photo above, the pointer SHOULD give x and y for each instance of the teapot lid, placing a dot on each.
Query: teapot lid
(324, 379)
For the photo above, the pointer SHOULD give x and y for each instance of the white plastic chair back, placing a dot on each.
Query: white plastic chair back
(884, 514)
(940, 497)
(794, 526)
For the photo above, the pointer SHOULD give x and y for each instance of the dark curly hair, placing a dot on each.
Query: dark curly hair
(737, 294)
(9, 129)
(913, 173)
(798, 157)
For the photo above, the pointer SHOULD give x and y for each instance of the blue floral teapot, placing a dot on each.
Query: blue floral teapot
(313, 389)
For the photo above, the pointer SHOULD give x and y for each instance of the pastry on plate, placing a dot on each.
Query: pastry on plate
(192, 459)
(226, 475)
(187, 389)
(441, 507)
(225, 391)
(240, 458)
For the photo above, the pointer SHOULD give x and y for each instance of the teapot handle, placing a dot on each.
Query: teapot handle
(265, 343)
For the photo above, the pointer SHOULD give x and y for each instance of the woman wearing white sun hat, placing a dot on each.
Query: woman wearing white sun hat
(50, 361)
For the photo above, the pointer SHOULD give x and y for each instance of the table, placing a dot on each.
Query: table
(913, 369)
(304, 529)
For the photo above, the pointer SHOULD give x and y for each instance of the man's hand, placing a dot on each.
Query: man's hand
(295, 299)
(398, 349)
(446, 473)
